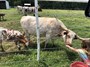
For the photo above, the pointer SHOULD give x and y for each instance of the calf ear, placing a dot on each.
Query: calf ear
(4, 32)
(64, 32)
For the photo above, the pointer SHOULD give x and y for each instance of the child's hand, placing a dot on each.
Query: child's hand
(73, 49)
(67, 46)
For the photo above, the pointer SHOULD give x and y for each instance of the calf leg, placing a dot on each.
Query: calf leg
(52, 40)
(47, 39)
(28, 38)
(18, 45)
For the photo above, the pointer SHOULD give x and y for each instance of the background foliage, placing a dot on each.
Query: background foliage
(50, 4)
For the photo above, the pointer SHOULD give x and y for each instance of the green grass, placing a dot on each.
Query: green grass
(73, 19)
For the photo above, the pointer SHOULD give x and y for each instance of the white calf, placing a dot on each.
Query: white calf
(49, 27)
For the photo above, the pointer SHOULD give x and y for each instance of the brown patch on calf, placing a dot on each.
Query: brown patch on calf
(21, 39)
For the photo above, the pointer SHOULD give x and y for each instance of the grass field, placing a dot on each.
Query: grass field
(73, 19)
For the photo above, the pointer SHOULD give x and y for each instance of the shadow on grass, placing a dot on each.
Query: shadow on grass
(3, 20)
(15, 52)
(49, 47)
(42, 64)
(71, 55)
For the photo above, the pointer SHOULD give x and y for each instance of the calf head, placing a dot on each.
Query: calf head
(68, 36)
(21, 39)
(18, 39)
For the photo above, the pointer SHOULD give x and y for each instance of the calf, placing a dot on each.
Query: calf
(28, 10)
(49, 27)
(12, 35)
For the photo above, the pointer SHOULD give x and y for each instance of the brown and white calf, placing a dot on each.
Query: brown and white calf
(29, 10)
(12, 35)
(48, 27)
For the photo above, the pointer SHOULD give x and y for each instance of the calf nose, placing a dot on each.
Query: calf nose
(68, 43)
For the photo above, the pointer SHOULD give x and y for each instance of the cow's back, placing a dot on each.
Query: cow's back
(46, 24)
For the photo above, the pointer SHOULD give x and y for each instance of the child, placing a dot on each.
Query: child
(82, 53)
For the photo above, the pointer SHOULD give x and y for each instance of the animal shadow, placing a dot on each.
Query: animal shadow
(49, 46)
(71, 55)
